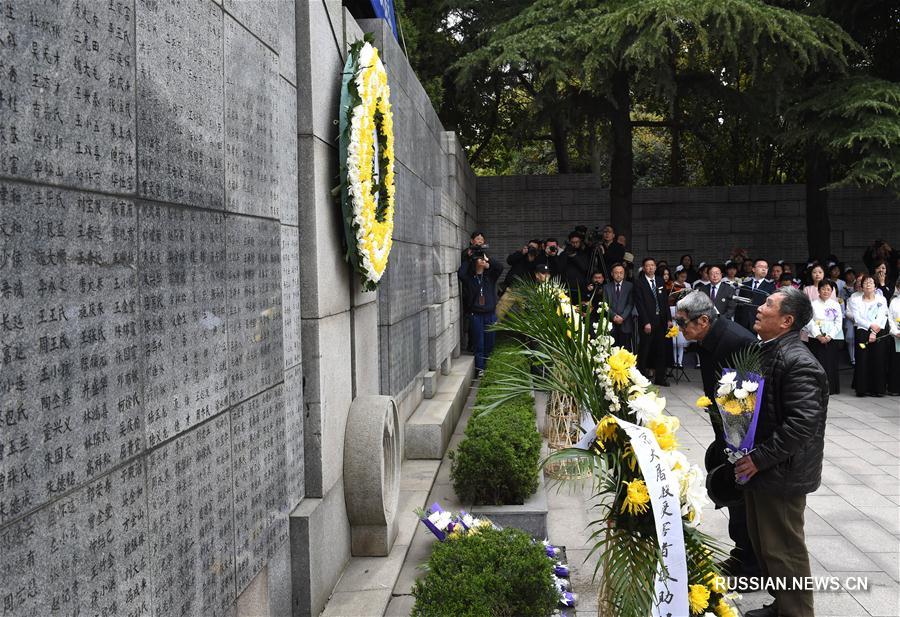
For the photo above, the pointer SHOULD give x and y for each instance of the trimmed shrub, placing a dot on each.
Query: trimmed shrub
(497, 461)
(489, 574)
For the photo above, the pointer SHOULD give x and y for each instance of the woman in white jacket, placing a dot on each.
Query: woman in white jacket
(894, 350)
(870, 318)
(825, 330)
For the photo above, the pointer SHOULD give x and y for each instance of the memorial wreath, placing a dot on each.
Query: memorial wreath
(654, 559)
(366, 146)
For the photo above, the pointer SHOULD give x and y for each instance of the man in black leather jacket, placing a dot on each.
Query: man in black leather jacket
(786, 463)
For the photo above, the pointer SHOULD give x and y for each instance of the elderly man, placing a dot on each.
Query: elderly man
(786, 463)
(718, 340)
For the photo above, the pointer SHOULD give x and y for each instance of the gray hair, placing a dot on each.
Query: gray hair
(696, 304)
(797, 303)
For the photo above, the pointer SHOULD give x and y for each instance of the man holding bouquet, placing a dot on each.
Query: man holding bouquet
(719, 339)
(786, 462)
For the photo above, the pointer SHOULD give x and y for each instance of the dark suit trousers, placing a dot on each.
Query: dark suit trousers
(775, 524)
(621, 339)
(652, 352)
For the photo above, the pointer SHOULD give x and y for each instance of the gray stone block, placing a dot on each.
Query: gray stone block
(404, 352)
(428, 430)
(318, 83)
(530, 516)
(184, 313)
(327, 396)
(442, 283)
(293, 427)
(287, 40)
(191, 520)
(253, 304)
(260, 482)
(69, 117)
(180, 103)
(429, 384)
(366, 349)
(320, 548)
(42, 556)
(72, 341)
(321, 269)
(259, 17)
(251, 90)
(372, 475)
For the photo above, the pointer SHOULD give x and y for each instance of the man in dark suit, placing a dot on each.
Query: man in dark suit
(619, 295)
(719, 339)
(719, 292)
(756, 290)
(651, 301)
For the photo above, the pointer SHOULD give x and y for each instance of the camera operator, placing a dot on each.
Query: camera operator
(574, 265)
(551, 256)
(610, 249)
(478, 286)
(476, 243)
(522, 263)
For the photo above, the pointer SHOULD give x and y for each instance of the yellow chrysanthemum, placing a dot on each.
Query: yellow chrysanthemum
(717, 583)
(606, 430)
(698, 598)
(703, 402)
(620, 364)
(733, 407)
(629, 457)
(673, 332)
(636, 497)
(724, 609)
(663, 428)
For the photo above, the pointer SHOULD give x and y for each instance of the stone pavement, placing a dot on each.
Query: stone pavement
(852, 521)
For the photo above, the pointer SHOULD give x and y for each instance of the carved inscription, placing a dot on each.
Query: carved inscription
(254, 322)
(286, 150)
(67, 93)
(179, 101)
(182, 269)
(293, 412)
(251, 85)
(290, 295)
(191, 522)
(70, 398)
(259, 16)
(84, 554)
(260, 497)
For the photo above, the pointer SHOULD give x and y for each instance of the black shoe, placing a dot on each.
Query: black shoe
(878, 395)
(664, 384)
(768, 610)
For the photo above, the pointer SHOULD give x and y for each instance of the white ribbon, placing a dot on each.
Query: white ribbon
(671, 589)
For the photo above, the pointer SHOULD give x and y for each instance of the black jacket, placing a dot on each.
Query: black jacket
(520, 268)
(724, 304)
(745, 314)
(573, 267)
(652, 306)
(723, 340)
(471, 287)
(790, 434)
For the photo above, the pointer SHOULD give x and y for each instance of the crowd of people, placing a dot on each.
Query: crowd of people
(856, 312)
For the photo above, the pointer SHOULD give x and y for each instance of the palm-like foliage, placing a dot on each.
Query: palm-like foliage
(559, 340)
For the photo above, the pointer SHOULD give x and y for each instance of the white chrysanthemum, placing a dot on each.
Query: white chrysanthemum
(440, 519)
(750, 386)
(637, 378)
(647, 407)
(725, 389)
(740, 393)
(693, 494)
(728, 378)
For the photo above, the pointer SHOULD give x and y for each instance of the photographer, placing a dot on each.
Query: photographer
(476, 243)
(551, 256)
(574, 265)
(478, 286)
(610, 249)
(522, 263)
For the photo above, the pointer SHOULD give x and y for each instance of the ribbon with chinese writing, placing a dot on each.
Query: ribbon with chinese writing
(671, 589)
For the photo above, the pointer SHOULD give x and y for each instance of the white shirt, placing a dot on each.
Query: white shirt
(894, 313)
(867, 313)
(827, 320)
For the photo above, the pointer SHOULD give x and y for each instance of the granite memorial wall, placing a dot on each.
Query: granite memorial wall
(181, 337)
(707, 222)
(149, 294)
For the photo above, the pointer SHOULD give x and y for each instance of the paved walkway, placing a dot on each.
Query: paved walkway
(852, 524)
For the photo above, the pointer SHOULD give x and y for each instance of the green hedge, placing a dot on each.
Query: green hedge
(491, 574)
(497, 461)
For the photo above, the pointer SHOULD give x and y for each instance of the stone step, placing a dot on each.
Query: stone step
(430, 426)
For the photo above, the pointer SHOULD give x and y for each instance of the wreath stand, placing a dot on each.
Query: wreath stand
(564, 418)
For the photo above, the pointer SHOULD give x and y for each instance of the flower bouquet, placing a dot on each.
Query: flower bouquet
(739, 397)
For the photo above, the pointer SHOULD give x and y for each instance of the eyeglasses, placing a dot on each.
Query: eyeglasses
(682, 322)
